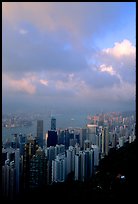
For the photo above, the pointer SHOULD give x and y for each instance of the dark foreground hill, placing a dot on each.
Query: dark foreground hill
(114, 182)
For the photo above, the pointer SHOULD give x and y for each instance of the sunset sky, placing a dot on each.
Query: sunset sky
(68, 56)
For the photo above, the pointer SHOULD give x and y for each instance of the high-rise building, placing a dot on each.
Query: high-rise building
(91, 133)
(50, 153)
(83, 133)
(70, 159)
(38, 169)
(29, 150)
(87, 144)
(61, 137)
(4, 156)
(53, 123)
(26, 160)
(12, 179)
(96, 154)
(59, 149)
(52, 138)
(88, 163)
(105, 141)
(59, 168)
(8, 179)
(22, 141)
(5, 178)
(84, 165)
(17, 169)
(10, 154)
(40, 133)
(67, 137)
(80, 166)
(121, 141)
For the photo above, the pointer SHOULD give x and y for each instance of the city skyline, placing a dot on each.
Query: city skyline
(68, 56)
(30, 163)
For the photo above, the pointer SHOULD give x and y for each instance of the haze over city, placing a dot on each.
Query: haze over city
(68, 56)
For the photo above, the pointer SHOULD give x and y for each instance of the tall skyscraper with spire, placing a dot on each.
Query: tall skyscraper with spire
(52, 139)
(40, 133)
(53, 123)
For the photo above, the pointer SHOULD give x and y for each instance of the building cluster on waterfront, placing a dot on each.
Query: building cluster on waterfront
(33, 161)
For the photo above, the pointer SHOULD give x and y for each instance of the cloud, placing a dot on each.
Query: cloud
(124, 48)
(118, 93)
(50, 54)
(38, 52)
(72, 84)
(118, 61)
(44, 82)
(108, 69)
(21, 85)
(122, 58)
(75, 19)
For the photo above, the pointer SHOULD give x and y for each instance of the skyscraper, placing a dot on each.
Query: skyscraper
(52, 138)
(17, 169)
(70, 159)
(38, 169)
(91, 133)
(96, 154)
(105, 141)
(53, 123)
(84, 165)
(40, 133)
(59, 168)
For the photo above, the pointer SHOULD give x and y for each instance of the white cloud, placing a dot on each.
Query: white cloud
(117, 61)
(108, 69)
(111, 71)
(124, 48)
(44, 82)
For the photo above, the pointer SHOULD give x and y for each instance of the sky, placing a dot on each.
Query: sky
(71, 57)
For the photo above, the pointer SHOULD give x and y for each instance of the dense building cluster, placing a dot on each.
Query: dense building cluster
(29, 162)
